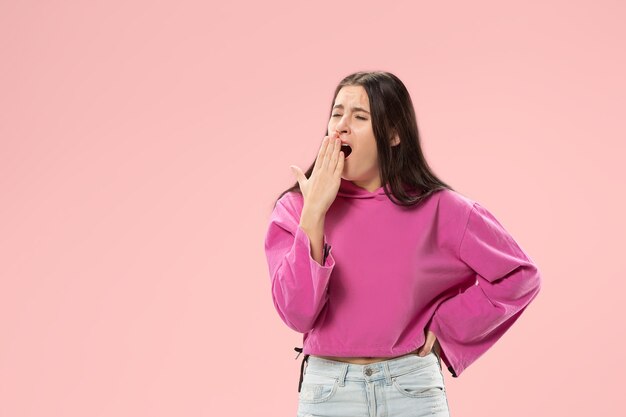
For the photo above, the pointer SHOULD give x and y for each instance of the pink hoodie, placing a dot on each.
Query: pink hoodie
(391, 272)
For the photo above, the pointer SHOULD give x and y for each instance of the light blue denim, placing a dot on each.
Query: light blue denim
(408, 386)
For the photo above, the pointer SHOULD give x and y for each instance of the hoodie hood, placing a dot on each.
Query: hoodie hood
(350, 190)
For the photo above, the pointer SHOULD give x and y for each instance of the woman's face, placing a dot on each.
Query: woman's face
(352, 121)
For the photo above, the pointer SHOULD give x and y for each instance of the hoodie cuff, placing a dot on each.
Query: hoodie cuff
(328, 261)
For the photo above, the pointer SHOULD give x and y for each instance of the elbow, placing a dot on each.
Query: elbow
(538, 282)
(533, 281)
(521, 287)
(298, 298)
(293, 320)
(298, 317)
(300, 326)
(293, 312)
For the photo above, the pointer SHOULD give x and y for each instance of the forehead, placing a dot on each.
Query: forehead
(352, 95)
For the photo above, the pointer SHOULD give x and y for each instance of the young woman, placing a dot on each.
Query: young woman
(418, 273)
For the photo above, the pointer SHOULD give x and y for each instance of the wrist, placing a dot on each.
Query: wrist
(311, 217)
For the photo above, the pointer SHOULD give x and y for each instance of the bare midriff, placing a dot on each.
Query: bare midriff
(362, 360)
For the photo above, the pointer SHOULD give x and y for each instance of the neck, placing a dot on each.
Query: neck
(371, 185)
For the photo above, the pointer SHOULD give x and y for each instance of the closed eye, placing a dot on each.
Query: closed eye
(358, 117)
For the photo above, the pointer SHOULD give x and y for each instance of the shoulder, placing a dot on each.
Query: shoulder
(454, 203)
(452, 210)
(288, 206)
(292, 200)
(471, 209)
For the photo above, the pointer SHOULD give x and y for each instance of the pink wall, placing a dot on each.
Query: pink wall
(142, 145)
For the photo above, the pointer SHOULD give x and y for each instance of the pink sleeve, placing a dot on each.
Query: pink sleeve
(299, 284)
(468, 324)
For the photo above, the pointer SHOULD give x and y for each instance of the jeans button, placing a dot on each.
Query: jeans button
(368, 371)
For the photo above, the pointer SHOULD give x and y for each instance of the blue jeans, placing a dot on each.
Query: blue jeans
(410, 385)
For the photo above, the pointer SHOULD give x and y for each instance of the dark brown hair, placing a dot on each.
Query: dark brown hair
(404, 172)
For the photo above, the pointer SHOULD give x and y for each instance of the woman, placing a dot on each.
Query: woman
(418, 273)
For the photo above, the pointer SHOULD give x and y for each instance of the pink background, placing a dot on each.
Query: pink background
(142, 145)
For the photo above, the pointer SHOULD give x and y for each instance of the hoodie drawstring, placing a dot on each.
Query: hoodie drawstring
(304, 359)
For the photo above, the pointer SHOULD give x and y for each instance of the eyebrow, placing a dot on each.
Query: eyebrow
(340, 106)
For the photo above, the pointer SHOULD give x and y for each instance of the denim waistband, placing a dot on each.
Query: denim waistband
(385, 369)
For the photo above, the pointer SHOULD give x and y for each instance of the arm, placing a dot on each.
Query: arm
(507, 280)
(299, 283)
(313, 224)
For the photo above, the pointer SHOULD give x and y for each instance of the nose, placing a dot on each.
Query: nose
(342, 126)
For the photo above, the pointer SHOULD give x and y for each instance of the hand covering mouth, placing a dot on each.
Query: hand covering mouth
(347, 150)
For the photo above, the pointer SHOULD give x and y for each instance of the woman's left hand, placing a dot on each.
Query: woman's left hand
(430, 344)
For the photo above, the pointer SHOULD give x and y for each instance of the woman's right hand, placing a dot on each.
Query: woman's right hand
(320, 189)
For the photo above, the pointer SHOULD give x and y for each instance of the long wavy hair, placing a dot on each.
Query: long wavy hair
(405, 174)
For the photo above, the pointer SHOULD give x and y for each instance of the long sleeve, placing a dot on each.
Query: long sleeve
(507, 280)
(299, 284)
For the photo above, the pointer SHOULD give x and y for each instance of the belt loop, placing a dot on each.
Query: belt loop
(387, 372)
(343, 373)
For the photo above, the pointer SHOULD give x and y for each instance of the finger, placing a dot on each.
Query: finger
(340, 163)
(320, 155)
(428, 344)
(330, 151)
(334, 158)
(297, 172)
(326, 156)
(430, 340)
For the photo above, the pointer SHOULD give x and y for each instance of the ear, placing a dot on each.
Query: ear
(395, 139)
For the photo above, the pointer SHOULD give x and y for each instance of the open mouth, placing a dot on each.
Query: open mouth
(347, 150)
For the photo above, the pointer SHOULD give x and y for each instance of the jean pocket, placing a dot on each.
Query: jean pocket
(425, 381)
(317, 388)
